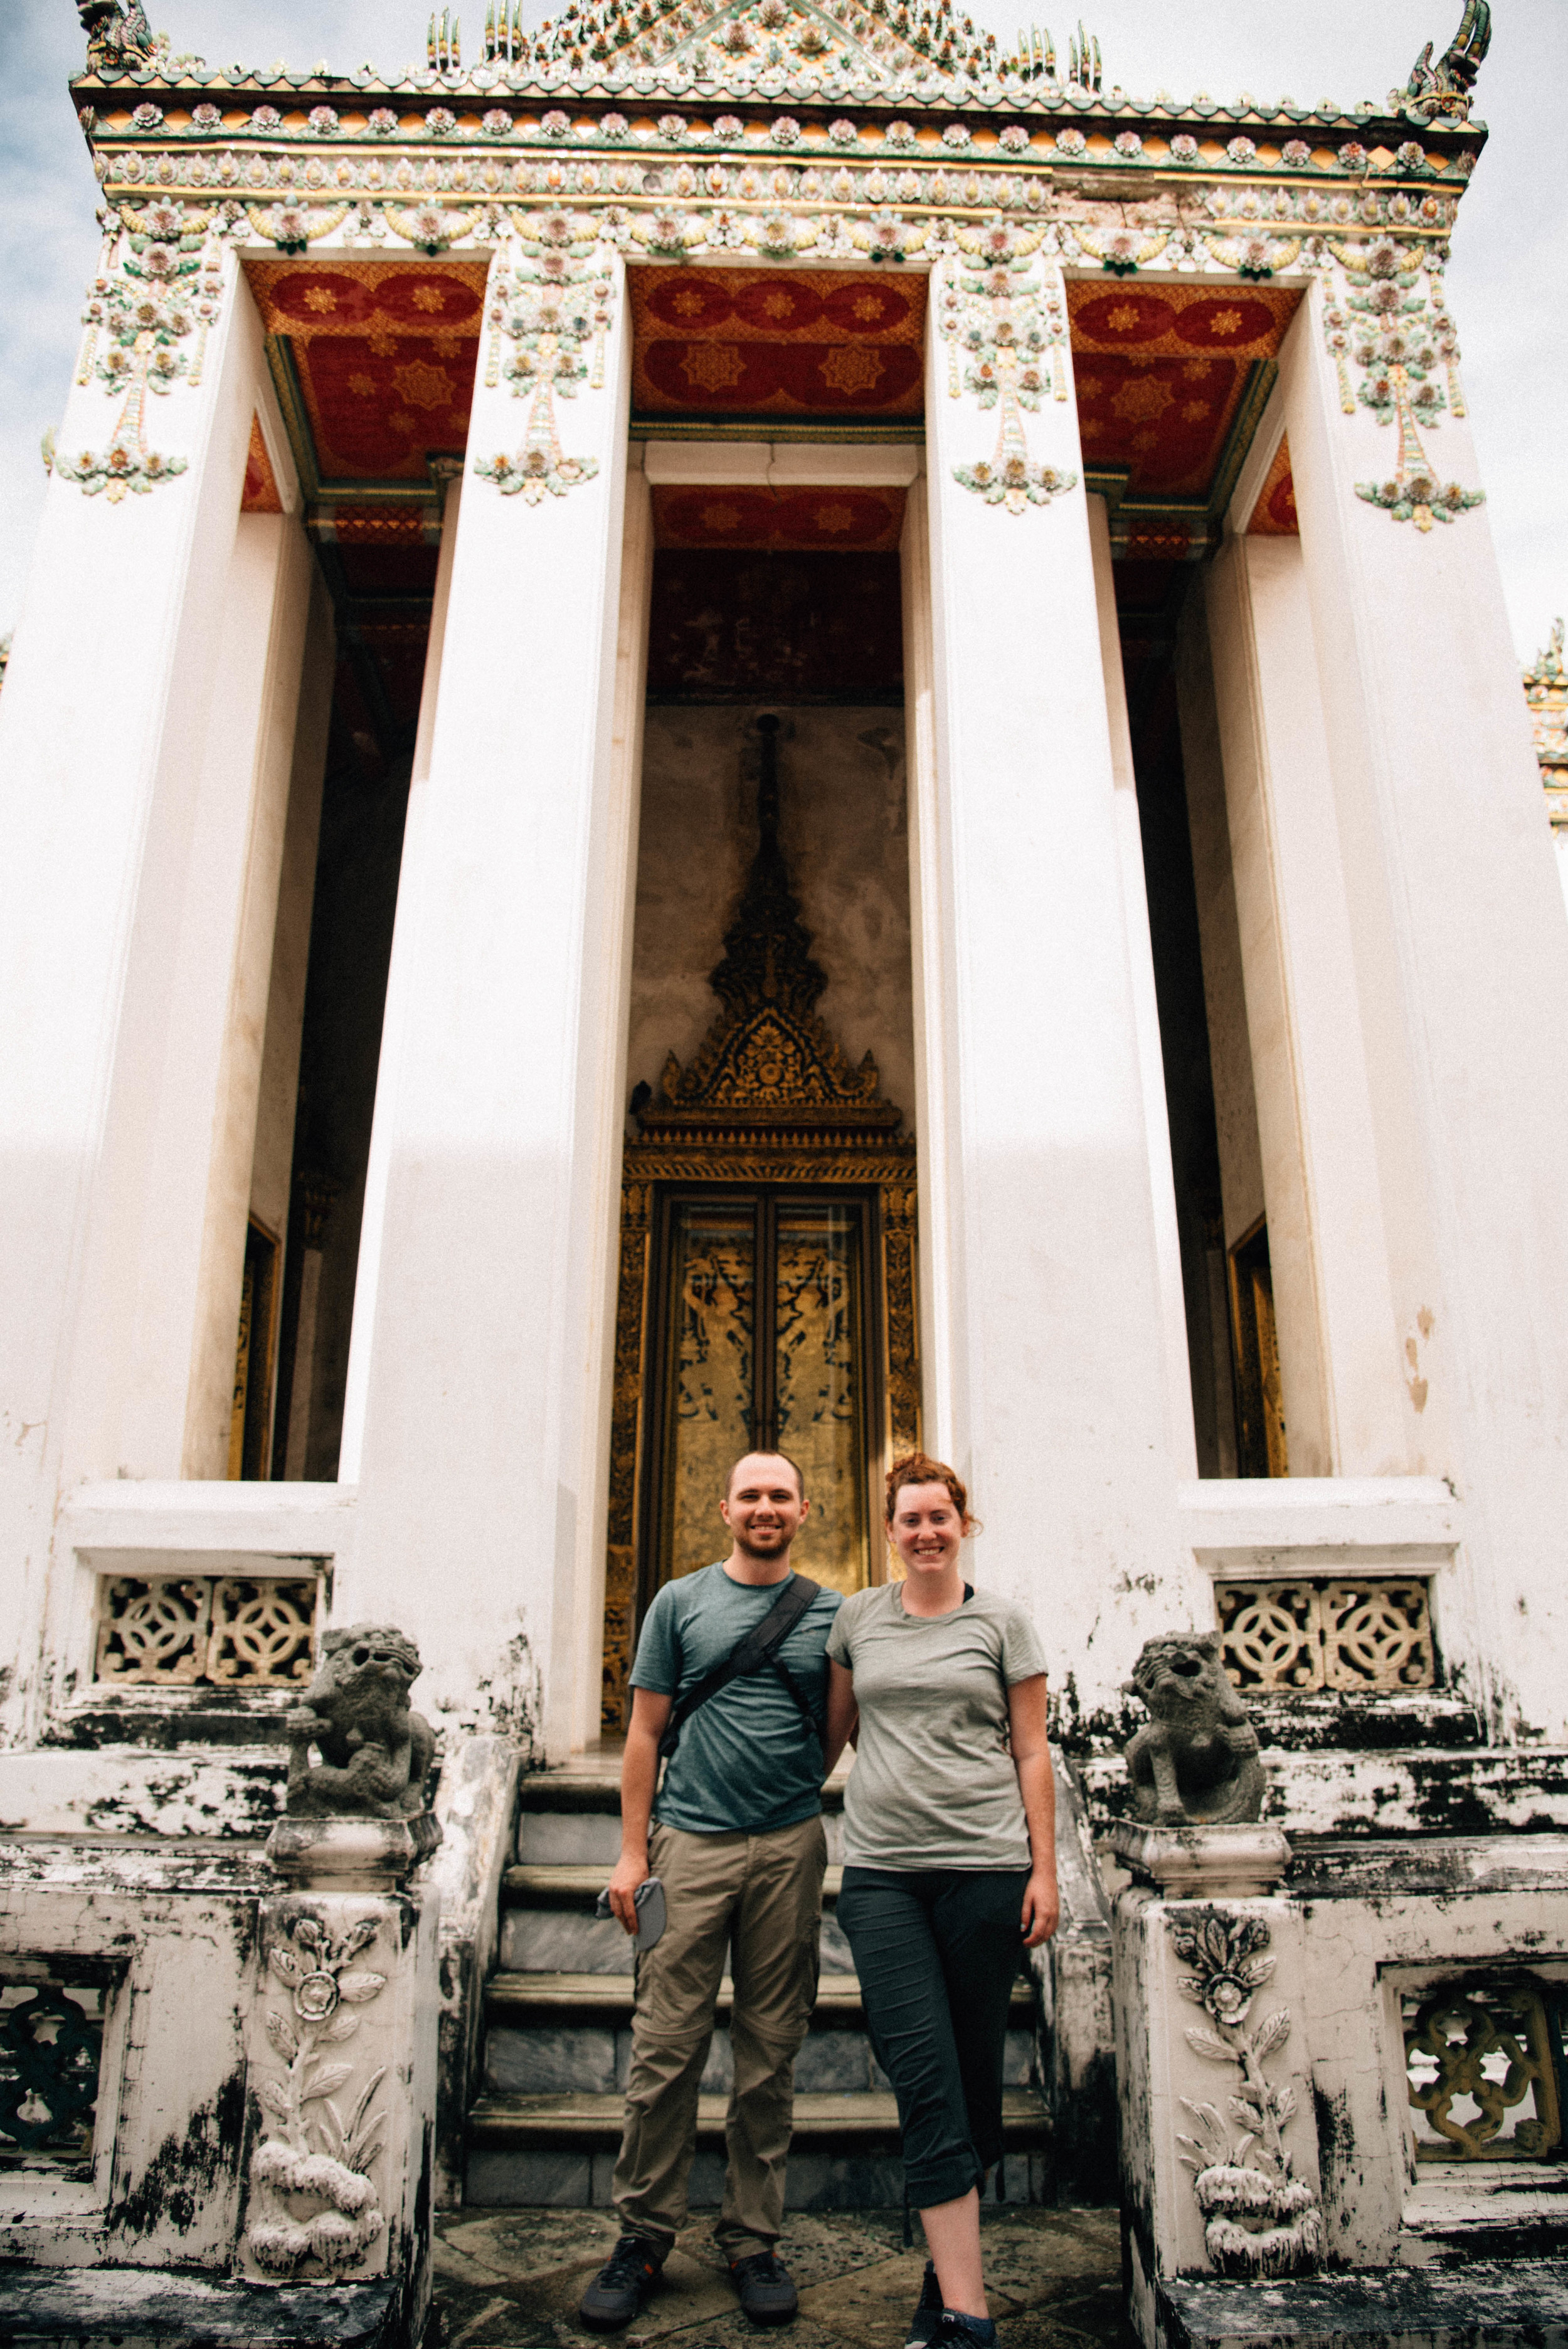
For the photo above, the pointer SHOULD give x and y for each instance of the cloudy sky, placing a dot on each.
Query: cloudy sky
(1508, 286)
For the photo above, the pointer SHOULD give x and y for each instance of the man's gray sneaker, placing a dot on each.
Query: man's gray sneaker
(621, 2284)
(766, 2294)
(927, 2314)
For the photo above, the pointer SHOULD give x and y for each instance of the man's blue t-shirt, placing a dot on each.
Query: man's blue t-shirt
(745, 1764)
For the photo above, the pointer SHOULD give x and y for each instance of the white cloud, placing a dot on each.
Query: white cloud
(1508, 286)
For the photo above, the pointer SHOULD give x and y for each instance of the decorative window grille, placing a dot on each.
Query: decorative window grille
(1479, 2055)
(51, 2047)
(1299, 1634)
(235, 1634)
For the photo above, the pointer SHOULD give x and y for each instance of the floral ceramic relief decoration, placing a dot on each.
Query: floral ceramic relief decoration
(1399, 332)
(551, 297)
(313, 2197)
(1546, 692)
(1005, 324)
(1259, 2220)
(161, 285)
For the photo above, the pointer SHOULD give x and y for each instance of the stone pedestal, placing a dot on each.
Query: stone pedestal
(340, 2044)
(351, 1855)
(1238, 1863)
(1219, 2160)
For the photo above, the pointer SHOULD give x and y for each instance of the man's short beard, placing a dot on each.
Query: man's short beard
(752, 1540)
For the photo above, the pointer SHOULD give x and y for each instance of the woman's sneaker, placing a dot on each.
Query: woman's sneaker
(621, 2284)
(927, 2314)
(956, 2331)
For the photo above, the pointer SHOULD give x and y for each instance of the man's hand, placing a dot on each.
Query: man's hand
(639, 1776)
(631, 1869)
(1042, 1906)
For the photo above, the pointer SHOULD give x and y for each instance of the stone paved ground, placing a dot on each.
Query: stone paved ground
(508, 2278)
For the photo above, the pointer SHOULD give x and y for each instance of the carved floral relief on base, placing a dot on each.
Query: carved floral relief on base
(1258, 2219)
(313, 2194)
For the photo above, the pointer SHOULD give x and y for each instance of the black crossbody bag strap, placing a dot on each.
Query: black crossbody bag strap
(798, 1692)
(750, 1656)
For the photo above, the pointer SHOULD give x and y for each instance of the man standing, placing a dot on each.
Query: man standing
(737, 1843)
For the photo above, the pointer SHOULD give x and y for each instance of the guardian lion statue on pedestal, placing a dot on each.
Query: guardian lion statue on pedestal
(1197, 1762)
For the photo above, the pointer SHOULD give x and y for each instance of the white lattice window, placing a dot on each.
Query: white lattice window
(1367, 1634)
(233, 1632)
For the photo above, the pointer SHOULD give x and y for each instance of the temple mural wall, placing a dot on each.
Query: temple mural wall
(845, 834)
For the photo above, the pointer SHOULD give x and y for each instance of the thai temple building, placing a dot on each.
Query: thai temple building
(747, 722)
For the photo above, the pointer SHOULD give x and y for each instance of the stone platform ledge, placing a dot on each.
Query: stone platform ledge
(1519, 2305)
(142, 2308)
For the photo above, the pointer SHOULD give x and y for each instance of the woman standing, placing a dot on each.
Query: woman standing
(950, 1860)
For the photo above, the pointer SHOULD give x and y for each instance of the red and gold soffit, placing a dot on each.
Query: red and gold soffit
(374, 362)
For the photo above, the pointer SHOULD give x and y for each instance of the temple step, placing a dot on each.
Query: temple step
(554, 1998)
(546, 2126)
(496, 2122)
(570, 1886)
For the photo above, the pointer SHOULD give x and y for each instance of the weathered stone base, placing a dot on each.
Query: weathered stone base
(1516, 2305)
(142, 2308)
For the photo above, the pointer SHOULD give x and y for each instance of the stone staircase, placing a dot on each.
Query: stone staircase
(546, 2125)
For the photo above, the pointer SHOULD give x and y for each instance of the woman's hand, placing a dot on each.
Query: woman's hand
(1036, 1788)
(1042, 1906)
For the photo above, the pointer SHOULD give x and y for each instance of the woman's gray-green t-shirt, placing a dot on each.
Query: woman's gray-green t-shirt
(933, 1784)
(745, 1763)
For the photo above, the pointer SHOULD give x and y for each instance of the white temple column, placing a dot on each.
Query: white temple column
(1036, 1189)
(1461, 971)
(1180, 1432)
(220, 1037)
(1329, 1250)
(104, 931)
(483, 1324)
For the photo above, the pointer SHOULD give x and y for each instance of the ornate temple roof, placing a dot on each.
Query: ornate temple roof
(869, 59)
(778, 176)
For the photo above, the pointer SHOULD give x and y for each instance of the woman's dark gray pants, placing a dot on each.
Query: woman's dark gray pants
(937, 1952)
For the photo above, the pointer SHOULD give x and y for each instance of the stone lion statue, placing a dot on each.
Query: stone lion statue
(375, 1754)
(1196, 1764)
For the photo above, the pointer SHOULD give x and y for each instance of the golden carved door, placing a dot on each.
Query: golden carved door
(762, 1302)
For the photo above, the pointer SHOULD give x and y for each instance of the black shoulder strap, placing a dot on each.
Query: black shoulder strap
(750, 1656)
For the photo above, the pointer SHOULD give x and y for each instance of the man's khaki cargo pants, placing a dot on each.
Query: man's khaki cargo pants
(757, 1899)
